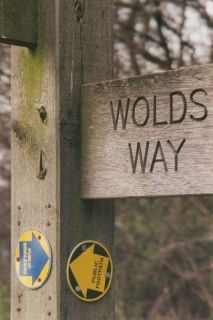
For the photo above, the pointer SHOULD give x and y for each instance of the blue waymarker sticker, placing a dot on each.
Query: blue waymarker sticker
(33, 259)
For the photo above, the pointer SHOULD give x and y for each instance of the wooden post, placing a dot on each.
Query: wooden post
(74, 47)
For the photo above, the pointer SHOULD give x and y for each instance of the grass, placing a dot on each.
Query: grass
(4, 302)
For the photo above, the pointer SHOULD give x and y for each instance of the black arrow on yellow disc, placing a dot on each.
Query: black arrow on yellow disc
(89, 271)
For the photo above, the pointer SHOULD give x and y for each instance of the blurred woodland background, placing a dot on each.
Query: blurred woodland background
(4, 181)
(164, 247)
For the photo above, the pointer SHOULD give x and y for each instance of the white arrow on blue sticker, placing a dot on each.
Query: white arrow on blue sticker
(33, 258)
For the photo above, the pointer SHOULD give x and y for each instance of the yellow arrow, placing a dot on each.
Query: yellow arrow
(89, 270)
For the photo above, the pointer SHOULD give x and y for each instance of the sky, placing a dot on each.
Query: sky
(195, 31)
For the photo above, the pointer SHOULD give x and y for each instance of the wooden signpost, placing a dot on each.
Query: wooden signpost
(46, 84)
(148, 136)
(18, 22)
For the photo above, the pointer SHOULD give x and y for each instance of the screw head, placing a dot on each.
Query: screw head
(77, 289)
(108, 275)
(84, 247)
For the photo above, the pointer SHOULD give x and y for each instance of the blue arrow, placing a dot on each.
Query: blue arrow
(33, 258)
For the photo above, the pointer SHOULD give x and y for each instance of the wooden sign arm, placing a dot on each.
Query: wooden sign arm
(18, 22)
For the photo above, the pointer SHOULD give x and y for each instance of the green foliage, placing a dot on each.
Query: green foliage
(164, 247)
(164, 259)
(4, 302)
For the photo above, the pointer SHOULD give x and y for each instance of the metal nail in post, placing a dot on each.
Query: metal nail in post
(79, 9)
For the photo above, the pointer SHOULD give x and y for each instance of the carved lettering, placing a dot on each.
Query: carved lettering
(173, 97)
(120, 113)
(155, 121)
(138, 112)
(162, 159)
(146, 105)
(176, 151)
(138, 154)
(139, 158)
(201, 105)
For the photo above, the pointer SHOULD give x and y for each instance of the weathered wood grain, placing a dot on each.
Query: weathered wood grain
(35, 201)
(167, 112)
(18, 22)
(87, 56)
(70, 51)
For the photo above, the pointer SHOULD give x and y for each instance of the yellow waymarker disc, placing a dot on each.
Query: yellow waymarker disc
(33, 259)
(89, 271)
